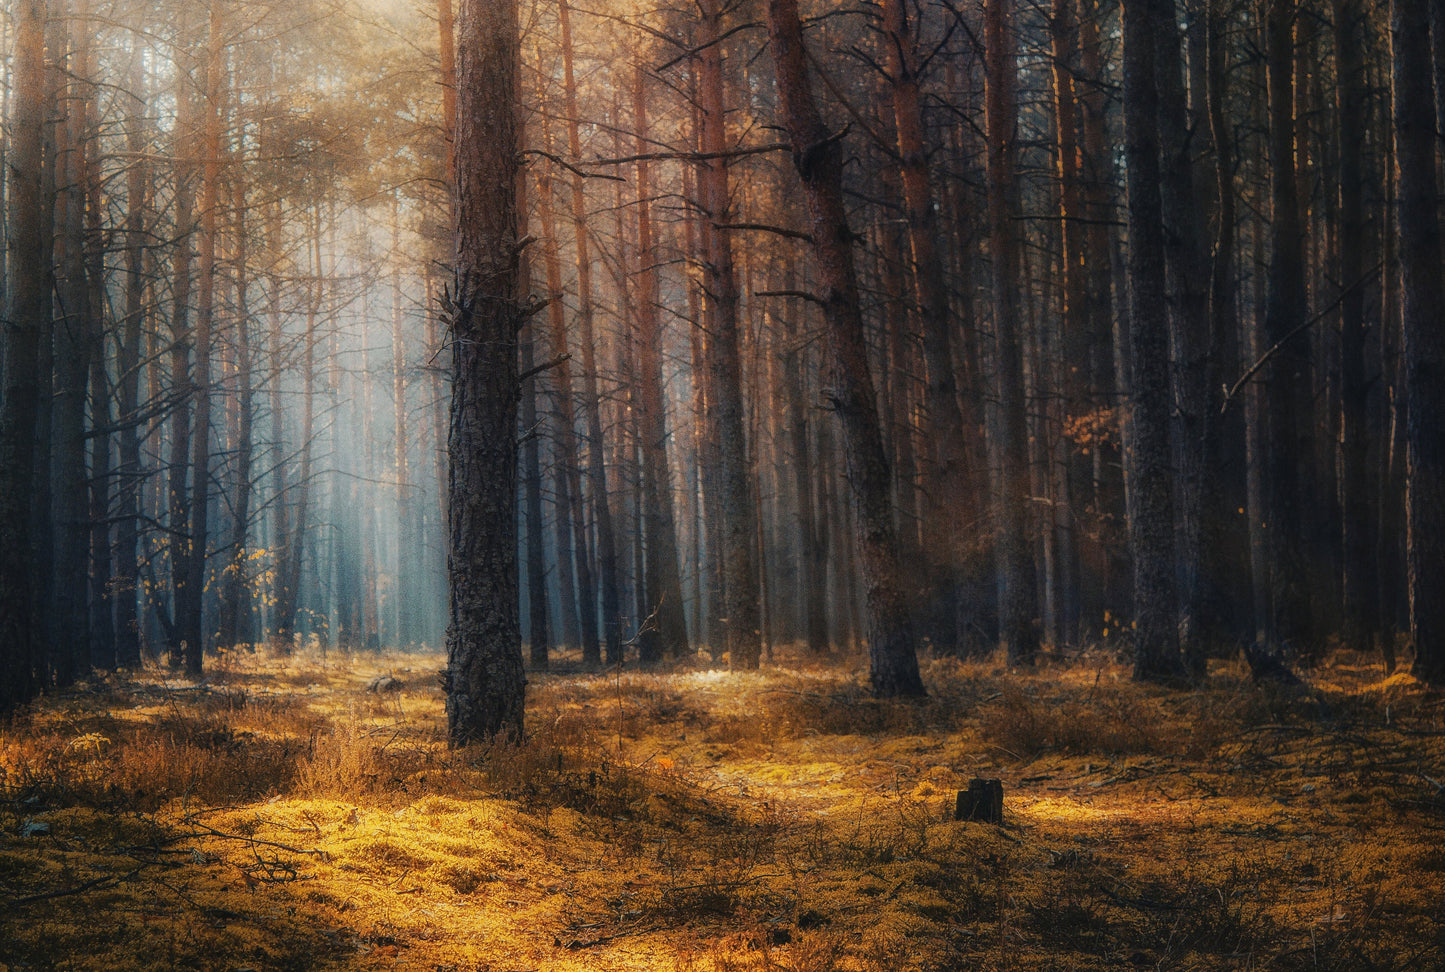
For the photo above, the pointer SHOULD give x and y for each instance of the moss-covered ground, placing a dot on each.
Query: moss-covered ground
(279, 816)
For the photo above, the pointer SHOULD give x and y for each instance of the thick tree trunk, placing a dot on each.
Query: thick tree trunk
(485, 681)
(952, 508)
(818, 158)
(1151, 515)
(1424, 340)
(26, 319)
(1194, 372)
(1288, 374)
(69, 610)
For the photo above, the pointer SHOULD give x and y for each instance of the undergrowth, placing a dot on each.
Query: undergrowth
(280, 816)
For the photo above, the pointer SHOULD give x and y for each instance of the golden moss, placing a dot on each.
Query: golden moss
(707, 820)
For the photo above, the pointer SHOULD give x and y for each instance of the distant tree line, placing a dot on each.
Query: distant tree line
(905, 324)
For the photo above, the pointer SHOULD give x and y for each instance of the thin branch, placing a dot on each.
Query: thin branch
(1265, 358)
(765, 228)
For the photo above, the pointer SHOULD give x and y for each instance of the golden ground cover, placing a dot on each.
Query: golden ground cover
(279, 816)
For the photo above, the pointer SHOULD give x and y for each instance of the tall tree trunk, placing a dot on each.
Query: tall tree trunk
(182, 387)
(406, 540)
(720, 289)
(294, 551)
(127, 570)
(818, 158)
(952, 506)
(1151, 515)
(68, 609)
(281, 536)
(190, 610)
(1017, 629)
(1227, 554)
(664, 569)
(1194, 370)
(538, 631)
(485, 681)
(569, 457)
(607, 567)
(1361, 617)
(1077, 470)
(102, 589)
(1288, 374)
(1424, 341)
(235, 616)
(26, 319)
(812, 564)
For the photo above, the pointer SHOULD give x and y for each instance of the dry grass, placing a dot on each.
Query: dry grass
(280, 817)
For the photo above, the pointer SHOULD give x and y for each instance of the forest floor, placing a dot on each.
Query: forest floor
(279, 816)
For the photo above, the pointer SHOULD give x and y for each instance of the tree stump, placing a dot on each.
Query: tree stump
(982, 802)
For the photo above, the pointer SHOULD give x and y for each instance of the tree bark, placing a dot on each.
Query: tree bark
(1288, 375)
(607, 567)
(1424, 340)
(129, 473)
(190, 610)
(68, 609)
(720, 289)
(235, 612)
(1361, 615)
(538, 631)
(182, 386)
(568, 454)
(952, 511)
(1194, 372)
(1018, 587)
(27, 316)
(485, 682)
(664, 569)
(1151, 515)
(818, 158)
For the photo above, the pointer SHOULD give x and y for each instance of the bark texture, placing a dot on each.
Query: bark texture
(818, 158)
(1424, 338)
(485, 682)
(1151, 515)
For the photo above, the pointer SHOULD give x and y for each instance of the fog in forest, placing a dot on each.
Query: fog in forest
(718, 486)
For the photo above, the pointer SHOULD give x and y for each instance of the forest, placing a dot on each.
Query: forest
(525, 484)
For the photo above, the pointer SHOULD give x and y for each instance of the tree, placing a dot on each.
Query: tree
(818, 159)
(1018, 587)
(663, 566)
(27, 316)
(952, 506)
(726, 413)
(1424, 339)
(1151, 514)
(484, 680)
